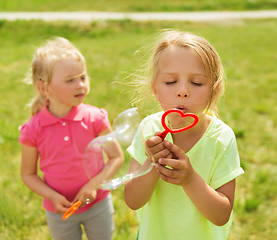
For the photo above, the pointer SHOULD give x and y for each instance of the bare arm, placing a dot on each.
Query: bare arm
(35, 183)
(116, 159)
(138, 191)
(215, 205)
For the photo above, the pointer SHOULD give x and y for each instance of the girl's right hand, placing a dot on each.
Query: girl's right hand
(61, 204)
(156, 149)
(87, 193)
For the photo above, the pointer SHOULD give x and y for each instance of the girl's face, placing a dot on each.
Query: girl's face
(181, 81)
(68, 87)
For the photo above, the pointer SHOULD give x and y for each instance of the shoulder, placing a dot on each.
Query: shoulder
(220, 132)
(152, 119)
(30, 130)
(96, 117)
(92, 112)
(148, 126)
(34, 122)
(151, 124)
(86, 108)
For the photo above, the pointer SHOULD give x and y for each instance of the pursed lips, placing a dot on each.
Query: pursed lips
(79, 95)
(182, 108)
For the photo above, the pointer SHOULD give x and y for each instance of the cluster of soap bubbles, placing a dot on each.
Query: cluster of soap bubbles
(125, 127)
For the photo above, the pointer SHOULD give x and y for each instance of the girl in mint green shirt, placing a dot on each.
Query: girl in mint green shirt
(189, 193)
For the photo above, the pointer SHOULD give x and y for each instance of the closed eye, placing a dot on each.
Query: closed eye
(70, 80)
(171, 82)
(197, 84)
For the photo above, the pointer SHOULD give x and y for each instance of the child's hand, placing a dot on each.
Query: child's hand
(61, 204)
(86, 194)
(180, 171)
(155, 148)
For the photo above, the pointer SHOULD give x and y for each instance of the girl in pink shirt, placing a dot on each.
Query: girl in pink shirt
(56, 136)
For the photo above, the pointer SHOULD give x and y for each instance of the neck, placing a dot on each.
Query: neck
(58, 112)
(187, 139)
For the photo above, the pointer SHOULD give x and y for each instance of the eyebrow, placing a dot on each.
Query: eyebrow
(193, 74)
(76, 76)
(200, 74)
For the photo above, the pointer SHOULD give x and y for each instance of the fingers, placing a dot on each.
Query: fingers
(61, 210)
(173, 171)
(157, 134)
(175, 150)
(62, 206)
(172, 163)
(87, 200)
(86, 196)
(176, 170)
(155, 148)
(66, 203)
(168, 174)
(153, 141)
(158, 152)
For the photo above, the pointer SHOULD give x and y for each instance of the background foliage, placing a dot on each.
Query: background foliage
(136, 6)
(248, 51)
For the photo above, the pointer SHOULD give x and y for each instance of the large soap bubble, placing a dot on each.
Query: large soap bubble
(95, 157)
(125, 127)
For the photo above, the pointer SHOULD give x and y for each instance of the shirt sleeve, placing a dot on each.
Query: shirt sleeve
(101, 121)
(137, 149)
(227, 165)
(27, 135)
(147, 128)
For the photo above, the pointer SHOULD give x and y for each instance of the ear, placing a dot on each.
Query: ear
(41, 86)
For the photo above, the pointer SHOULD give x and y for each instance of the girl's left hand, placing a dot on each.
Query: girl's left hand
(177, 171)
(86, 194)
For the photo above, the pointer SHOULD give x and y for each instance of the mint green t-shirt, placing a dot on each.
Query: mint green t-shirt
(169, 214)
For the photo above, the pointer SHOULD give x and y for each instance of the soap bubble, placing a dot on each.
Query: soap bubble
(95, 157)
(125, 127)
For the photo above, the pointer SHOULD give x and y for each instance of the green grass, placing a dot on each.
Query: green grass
(248, 51)
(136, 6)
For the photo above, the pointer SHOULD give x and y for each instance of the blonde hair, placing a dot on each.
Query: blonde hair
(43, 62)
(206, 52)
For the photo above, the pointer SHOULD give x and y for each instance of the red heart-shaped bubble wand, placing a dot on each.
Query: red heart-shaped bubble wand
(183, 115)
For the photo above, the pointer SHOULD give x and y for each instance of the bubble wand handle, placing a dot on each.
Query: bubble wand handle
(163, 134)
(183, 115)
(72, 209)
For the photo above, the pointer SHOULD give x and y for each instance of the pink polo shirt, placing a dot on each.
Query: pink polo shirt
(61, 143)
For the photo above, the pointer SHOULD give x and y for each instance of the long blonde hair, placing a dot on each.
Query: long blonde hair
(43, 62)
(208, 55)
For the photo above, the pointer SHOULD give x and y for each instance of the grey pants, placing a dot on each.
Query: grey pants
(97, 221)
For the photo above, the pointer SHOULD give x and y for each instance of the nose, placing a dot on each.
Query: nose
(182, 93)
(80, 83)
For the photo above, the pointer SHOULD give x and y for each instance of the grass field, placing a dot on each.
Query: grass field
(136, 6)
(248, 51)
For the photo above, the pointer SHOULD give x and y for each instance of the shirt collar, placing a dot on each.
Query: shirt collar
(75, 114)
